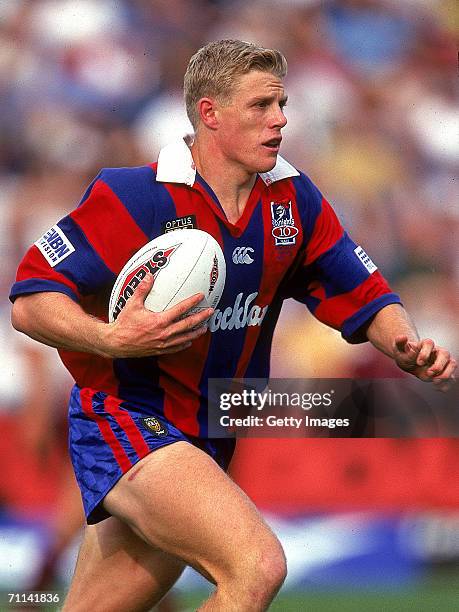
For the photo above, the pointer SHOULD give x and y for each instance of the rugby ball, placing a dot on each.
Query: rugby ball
(183, 262)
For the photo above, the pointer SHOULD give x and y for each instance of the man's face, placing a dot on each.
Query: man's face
(249, 132)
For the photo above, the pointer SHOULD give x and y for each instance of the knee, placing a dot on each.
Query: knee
(259, 575)
(271, 570)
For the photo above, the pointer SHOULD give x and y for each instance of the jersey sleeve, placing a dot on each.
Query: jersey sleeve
(83, 252)
(335, 278)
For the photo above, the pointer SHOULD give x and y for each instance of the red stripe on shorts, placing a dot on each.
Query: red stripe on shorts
(127, 424)
(86, 396)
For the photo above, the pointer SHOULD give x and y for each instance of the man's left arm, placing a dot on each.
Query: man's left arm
(392, 332)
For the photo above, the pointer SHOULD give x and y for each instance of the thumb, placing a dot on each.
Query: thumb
(401, 343)
(142, 289)
(404, 346)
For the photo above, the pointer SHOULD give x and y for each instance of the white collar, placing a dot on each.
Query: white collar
(176, 165)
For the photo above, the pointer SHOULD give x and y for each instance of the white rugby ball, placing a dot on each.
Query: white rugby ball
(183, 262)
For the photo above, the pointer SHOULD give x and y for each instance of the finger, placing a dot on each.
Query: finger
(181, 338)
(447, 373)
(440, 359)
(142, 290)
(173, 349)
(191, 321)
(405, 353)
(426, 352)
(400, 342)
(404, 346)
(177, 311)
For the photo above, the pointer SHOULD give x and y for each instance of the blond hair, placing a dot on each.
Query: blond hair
(215, 68)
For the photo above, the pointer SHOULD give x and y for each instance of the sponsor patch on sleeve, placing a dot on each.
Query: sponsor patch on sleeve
(364, 258)
(55, 246)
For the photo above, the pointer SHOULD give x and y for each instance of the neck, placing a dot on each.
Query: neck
(230, 182)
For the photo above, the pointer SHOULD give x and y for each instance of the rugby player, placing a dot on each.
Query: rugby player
(154, 486)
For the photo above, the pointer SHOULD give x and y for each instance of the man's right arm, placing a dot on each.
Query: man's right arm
(56, 320)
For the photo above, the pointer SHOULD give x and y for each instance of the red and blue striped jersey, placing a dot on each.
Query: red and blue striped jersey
(287, 243)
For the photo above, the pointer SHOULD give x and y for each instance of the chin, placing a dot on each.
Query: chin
(267, 165)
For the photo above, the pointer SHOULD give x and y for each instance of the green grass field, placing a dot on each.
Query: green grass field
(437, 594)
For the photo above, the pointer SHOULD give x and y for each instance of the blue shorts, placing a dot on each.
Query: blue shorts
(107, 437)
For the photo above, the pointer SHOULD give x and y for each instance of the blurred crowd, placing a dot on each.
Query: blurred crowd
(373, 119)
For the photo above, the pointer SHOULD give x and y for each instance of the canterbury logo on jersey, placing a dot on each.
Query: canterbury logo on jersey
(239, 315)
(241, 255)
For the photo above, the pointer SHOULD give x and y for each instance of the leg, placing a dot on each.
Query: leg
(181, 502)
(116, 570)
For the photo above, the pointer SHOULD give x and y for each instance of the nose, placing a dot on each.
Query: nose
(279, 120)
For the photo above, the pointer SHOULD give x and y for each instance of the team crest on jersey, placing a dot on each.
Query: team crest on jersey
(187, 222)
(155, 427)
(55, 246)
(284, 229)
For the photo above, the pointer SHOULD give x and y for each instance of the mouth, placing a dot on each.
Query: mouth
(273, 144)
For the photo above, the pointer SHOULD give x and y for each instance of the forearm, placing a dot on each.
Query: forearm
(389, 322)
(56, 320)
(393, 333)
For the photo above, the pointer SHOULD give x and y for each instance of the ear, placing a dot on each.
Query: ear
(208, 112)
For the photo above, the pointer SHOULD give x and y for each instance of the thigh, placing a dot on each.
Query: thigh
(117, 570)
(181, 501)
